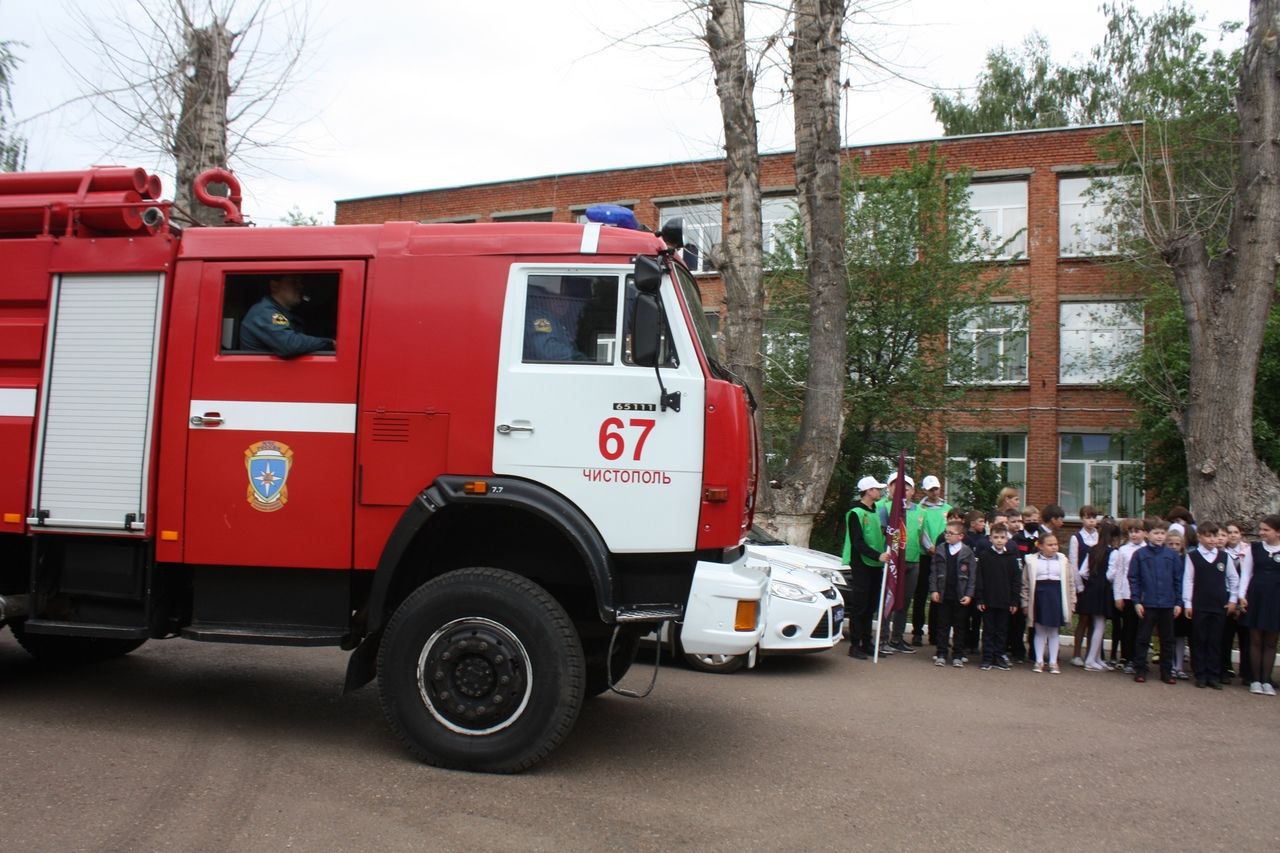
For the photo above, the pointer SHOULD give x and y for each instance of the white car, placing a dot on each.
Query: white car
(804, 611)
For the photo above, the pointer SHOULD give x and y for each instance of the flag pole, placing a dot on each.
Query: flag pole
(884, 575)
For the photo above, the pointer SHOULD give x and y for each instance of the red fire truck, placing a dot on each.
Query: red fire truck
(515, 455)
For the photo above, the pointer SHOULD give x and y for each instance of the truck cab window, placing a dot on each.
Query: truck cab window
(571, 319)
(311, 311)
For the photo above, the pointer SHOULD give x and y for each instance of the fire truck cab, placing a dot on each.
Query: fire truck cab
(515, 455)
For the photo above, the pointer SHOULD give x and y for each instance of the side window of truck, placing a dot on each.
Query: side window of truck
(666, 351)
(317, 315)
(571, 319)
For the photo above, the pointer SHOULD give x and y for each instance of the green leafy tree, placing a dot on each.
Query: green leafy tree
(1196, 209)
(975, 483)
(295, 217)
(13, 148)
(915, 266)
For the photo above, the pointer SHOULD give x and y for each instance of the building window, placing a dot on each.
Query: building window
(775, 213)
(1087, 224)
(702, 229)
(1006, 451)
(1098, 470)
(1098, 339)
(713, 322)
(992, 344)
(526, 216)
(1002, 209)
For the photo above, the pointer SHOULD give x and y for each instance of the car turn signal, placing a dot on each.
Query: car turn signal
(746, 617)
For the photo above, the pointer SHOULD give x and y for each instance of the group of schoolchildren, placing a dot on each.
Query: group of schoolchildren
(995, 575)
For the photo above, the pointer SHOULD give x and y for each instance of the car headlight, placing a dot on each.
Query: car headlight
(832, 575)
(790, 591)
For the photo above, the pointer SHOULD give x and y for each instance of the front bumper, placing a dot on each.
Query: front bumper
(801, 626)
(717, 588)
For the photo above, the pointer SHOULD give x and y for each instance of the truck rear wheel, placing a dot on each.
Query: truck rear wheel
(55, 649)
(481, 669)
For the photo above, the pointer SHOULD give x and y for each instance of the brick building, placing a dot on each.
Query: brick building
(1043, 348)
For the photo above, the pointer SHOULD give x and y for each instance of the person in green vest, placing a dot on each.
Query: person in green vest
(912, 550)
(865, 555)
(933, 517)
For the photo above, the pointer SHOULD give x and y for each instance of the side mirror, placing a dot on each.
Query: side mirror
(648, 274)
(646, 329)
(672, 232)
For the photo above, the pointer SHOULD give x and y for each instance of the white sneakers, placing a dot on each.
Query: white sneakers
(1077, 661)
(1262, 688)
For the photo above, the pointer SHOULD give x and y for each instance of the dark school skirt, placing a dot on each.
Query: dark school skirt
(1263, 596)
(1048, 605)
(1096, 598)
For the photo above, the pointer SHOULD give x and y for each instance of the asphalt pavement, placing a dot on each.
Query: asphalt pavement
(184, 746)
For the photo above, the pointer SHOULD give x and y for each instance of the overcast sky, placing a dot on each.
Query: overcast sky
(401, 95)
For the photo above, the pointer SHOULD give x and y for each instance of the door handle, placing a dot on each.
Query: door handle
(208, 419)
(507, 429)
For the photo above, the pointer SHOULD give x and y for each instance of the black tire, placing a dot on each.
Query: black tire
(63, 650)
(720, 664)
(598, 668)
(481, 669)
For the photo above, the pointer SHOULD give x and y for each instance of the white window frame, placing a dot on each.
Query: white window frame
(1089, 319)
(980, 322)
(1116, 466)
(775, 213)
(1008, 223)
(703, 227)
(1002, 462)
(1082, 215)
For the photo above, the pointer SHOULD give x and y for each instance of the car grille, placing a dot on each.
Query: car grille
(824, 627)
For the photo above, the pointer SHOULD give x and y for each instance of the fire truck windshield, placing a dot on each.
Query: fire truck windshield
(693, 298)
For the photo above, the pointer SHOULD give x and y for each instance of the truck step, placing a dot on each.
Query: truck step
(83, 629)
(649, 613)
(264, 635)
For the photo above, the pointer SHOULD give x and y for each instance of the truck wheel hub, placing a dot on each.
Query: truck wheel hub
(474, 676)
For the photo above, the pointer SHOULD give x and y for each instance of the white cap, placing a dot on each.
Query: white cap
(869, 483)
(910, 482)
(930, 482)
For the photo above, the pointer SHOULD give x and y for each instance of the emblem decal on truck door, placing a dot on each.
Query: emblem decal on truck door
(268, 464)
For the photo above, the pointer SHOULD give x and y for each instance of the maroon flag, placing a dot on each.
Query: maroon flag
(896, 534)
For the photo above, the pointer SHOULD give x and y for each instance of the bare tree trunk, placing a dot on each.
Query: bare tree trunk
(1227, 300)
(200, 138)
(739, 259)
(815, 72)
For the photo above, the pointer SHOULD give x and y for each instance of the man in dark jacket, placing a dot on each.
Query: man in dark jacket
(271, 326)
(1155, 587)
(997, 592)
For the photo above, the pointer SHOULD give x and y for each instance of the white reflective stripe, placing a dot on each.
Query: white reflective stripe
(277, 417)
(17, 402)
(590, 238)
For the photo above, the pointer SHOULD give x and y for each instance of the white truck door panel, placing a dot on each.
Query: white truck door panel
(587, 424)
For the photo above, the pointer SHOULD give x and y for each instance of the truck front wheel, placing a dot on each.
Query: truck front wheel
(481, 669)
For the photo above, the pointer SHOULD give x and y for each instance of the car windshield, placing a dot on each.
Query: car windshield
(693, 298)
(759, 537)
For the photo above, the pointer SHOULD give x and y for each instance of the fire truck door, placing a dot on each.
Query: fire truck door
(271, 440)
(574, 413)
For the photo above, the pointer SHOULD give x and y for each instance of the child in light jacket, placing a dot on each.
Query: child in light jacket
(1049, 596)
